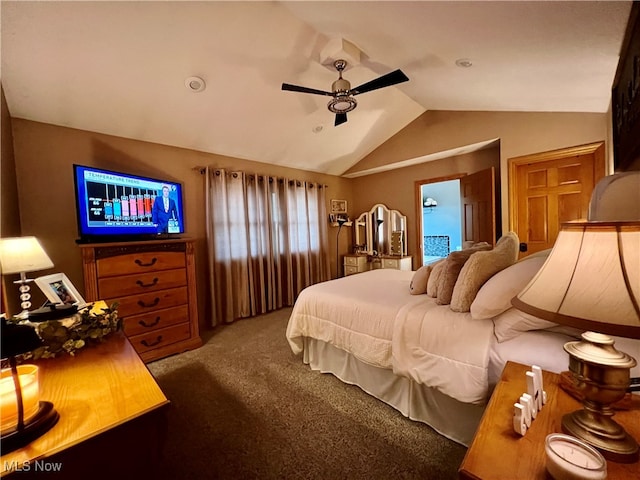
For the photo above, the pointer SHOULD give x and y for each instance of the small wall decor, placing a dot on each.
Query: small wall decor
(530, 403)
(59, 290)
(338, 206)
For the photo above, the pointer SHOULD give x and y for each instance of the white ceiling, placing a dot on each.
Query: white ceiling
(119, 68)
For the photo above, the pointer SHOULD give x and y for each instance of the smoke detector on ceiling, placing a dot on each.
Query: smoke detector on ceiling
(195, 84)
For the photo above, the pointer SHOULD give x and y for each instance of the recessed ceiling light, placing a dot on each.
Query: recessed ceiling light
(195, 84)
(463, 63)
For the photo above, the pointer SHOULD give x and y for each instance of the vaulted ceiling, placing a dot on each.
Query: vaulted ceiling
(120, 68)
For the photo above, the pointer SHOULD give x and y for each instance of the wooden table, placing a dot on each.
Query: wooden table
(112, 417)
(497, 452)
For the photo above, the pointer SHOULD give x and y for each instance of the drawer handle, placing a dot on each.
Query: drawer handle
(149, 325)
(147, 285)
(152, 304)
(150, 264)
(152, 344)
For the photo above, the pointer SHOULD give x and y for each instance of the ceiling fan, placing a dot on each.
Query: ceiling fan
(342, 93)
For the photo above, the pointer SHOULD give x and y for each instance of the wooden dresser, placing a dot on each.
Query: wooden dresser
(154, 284)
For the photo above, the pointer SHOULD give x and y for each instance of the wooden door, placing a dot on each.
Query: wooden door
(478, 203)
(550, 188)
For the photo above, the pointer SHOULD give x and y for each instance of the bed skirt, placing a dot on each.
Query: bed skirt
(451, 418)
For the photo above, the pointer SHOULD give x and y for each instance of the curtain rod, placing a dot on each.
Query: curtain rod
(201, 170)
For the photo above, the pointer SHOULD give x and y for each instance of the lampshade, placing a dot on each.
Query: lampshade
(591, 279)
(22, 254)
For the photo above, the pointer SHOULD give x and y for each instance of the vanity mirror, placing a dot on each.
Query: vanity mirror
(360, 233)
(381, 231)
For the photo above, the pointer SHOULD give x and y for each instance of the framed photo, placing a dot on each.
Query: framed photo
(338, 206)
(59, 290)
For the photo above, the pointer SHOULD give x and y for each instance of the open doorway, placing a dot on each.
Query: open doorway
(454, 210)
(441, 214)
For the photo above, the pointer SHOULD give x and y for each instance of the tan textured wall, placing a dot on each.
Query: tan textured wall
(520, 133)
(9, 209)
(10, 212)
(44, 157)
(396, 188)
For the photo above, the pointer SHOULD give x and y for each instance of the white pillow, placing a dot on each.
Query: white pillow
(494, 297)
(512, 322)
(418, 283)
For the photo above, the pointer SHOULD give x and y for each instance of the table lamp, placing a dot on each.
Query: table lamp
(24, 417)
(591, 281)
(22, 255)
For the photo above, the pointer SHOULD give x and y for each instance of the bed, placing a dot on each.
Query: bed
(431, 363)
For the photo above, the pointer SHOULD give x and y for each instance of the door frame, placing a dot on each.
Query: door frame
(418, 203)
(596, 148)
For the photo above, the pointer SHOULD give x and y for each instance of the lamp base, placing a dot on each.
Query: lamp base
(603, 433)
(46, 418)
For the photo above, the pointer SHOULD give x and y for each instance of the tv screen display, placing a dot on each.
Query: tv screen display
(115, 204)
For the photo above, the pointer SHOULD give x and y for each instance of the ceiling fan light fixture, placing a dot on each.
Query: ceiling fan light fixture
(342, 104)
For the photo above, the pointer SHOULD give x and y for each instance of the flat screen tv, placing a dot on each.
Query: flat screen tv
(117, 206)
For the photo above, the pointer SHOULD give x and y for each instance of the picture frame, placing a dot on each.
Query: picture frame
(338, 206)
(59, 290)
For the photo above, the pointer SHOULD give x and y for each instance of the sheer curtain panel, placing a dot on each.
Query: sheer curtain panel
(267, 239)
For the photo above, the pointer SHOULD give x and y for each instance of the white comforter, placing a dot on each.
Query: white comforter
(372, 316)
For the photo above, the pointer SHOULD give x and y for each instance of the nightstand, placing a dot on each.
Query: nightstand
(497, 452)
(113, 418)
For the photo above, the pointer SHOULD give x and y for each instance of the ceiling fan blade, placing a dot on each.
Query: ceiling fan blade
(296, 88)
(340, 119)
(384, 81)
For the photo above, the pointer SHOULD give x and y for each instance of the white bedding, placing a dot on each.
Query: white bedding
(354, 313)
(373, 316)
(449, 351)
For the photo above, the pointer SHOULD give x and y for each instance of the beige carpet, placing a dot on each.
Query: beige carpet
(244, 407)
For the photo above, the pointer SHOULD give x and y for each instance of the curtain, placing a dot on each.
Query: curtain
(267, 239)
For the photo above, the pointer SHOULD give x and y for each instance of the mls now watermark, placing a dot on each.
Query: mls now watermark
(33, 466)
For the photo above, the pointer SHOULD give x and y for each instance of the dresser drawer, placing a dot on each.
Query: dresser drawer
(148, 302)
(350, 270)
(160, 338)
(141, 283)
(391, 263)
(147, 322)
(350, 260)
(139, 263)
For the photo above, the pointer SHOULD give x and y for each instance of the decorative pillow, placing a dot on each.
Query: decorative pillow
(467, 244)
(453, 264)
(512, 322)
(434, 278)
(494, 297)
(418, 283)
(480, 268)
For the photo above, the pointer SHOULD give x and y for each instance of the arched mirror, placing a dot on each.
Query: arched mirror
(360, 227)
(385, 231)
